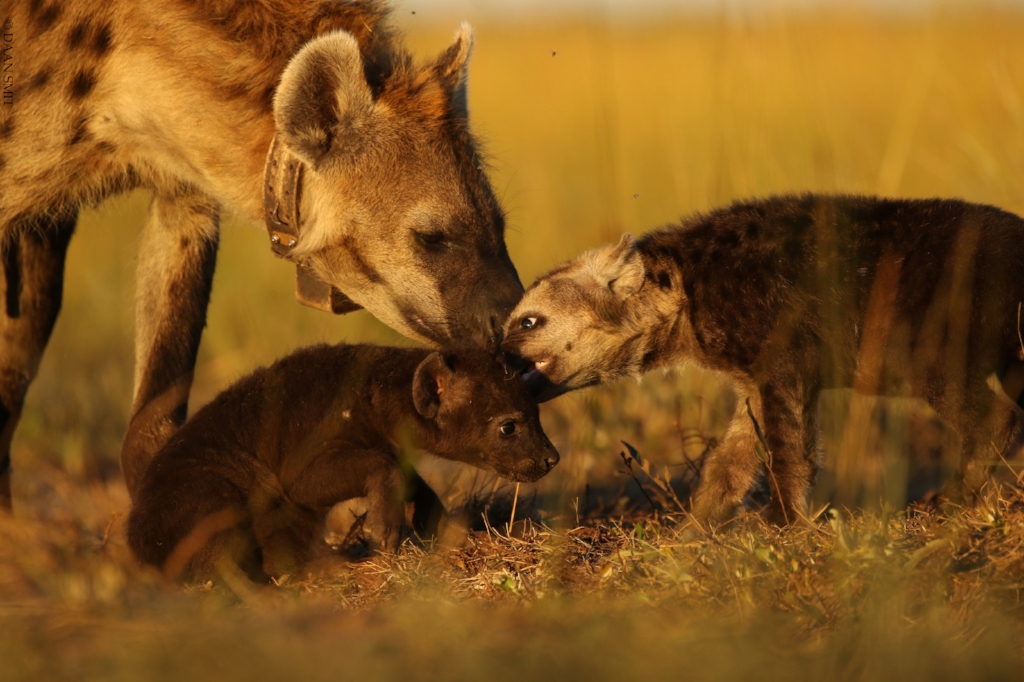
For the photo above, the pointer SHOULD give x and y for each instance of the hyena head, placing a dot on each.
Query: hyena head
(577, 325)
(398, 212)
(483, 415)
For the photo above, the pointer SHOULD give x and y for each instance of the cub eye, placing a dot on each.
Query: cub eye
(529, 322)
(508, 428)
(435, 238)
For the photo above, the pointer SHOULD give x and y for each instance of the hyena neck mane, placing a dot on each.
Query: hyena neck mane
(232, 83)
(175, 96)
(659, 334)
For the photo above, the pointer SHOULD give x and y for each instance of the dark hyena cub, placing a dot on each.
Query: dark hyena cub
(268, 459)
(789, 296)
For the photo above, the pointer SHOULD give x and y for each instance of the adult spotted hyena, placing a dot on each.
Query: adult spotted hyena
(789, 296)
(308, 114)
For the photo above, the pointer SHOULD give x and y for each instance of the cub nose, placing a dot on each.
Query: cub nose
(550, 461)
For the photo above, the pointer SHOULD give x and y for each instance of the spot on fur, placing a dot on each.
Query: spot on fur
(77, 35)
(41, 78)
(235, 91)
(727, 239)
(48, 17)
(103, 40)
(6, 128)
(81, 133)
(82, 84)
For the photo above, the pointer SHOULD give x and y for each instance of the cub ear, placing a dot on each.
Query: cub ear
(323, 100)
(429, 383)
(453, 69)
(619, 267)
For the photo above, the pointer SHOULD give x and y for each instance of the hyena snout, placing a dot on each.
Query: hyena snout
(538, 385)
(544, 460)
(546, 463)
(486, 331)
(486, 319)
(550, 461)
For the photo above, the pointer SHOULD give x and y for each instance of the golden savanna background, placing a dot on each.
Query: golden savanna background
(596, 122)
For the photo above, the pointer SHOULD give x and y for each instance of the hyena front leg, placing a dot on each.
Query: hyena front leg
(732, 466)
(337, 473)
(33, 267)
(989, 425)
(176, 261)
(424, 511)
(790, 429)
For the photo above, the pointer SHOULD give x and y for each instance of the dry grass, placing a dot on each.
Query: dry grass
(623, 128)
(913, 594)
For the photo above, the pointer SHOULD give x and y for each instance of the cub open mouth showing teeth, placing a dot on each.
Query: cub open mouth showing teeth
(534, 369)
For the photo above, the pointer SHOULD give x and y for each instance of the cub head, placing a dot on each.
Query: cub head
(483, 415)
(575, 326)
(396, 210)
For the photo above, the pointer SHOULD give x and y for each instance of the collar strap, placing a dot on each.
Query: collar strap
(282, 183)
(282, 187)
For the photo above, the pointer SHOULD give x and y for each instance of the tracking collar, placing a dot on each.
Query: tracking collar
(282, 187)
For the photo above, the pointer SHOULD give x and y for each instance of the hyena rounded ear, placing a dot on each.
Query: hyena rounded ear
(620, 268)
(323, 99)
(453, 69)
(429, 383)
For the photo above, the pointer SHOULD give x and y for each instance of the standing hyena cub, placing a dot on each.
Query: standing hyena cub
(270, 461)
(789, 296)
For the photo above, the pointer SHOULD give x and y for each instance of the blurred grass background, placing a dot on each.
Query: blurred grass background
(594, 125)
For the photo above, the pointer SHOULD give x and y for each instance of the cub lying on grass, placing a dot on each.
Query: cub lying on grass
(789, 296)
(266, 461)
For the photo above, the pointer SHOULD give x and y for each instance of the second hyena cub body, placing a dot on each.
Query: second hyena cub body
(295, 452)
(789, 296)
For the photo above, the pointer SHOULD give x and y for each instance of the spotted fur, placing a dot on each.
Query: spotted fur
(183, 98)
(788, 296)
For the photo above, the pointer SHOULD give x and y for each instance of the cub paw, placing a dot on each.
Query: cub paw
(345, 527)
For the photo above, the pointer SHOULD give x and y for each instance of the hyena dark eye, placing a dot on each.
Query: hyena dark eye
(508, 428)
(529, 322)
(432, 238)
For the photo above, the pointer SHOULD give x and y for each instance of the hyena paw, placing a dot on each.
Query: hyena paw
(711, 511)
(345, 526)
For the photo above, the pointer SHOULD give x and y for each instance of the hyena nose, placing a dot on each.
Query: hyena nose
(479, 338)
(550, 461)
(488, 333)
